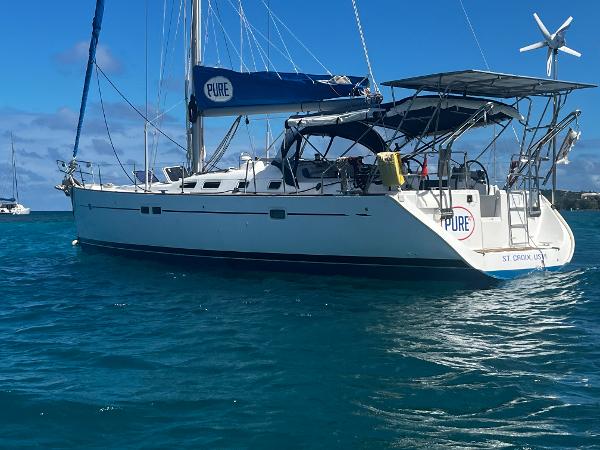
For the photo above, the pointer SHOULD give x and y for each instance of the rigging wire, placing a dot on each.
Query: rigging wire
(364, 45)
(212, 162)
(225, 40)
(243, 17)
(107, 128)
(487, 67)
(289, 56)
(206, 28)
(214, 29)
(242, 64)
(140, 113)
(249, 32)
(160, 72)
(296, 38)
(252, 29)
(474, 34)
(241, 38)
(162, 97)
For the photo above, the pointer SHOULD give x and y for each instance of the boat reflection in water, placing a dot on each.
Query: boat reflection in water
(489, 366)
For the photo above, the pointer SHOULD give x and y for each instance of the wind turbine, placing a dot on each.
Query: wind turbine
(554, 42)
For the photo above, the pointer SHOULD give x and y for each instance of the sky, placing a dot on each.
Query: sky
(44, 52)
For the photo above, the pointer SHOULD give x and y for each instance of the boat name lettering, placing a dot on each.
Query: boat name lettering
(218, 89)
(461, 224)
(457, 223)
(525, 257)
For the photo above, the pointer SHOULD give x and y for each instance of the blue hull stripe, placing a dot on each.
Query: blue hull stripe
(284, 257)
(444, 268)
(510, 274)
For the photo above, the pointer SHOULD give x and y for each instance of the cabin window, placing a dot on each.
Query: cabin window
(274, 184)
(145, 210)
(211, 184)
(243, 184)
(156, 210)
(189, 185)
(176, 173)
(277, 213)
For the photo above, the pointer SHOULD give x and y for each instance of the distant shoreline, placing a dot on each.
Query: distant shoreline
(572, 201)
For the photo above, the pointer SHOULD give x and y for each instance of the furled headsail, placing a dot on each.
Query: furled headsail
(96, 27)
(227, 92)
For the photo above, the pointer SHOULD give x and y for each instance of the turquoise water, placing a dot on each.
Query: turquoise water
(105, 351)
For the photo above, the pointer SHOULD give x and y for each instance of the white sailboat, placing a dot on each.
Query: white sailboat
(11, 205)
(418, 206)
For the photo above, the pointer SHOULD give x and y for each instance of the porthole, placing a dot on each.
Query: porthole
(277, 213)
(211, 184)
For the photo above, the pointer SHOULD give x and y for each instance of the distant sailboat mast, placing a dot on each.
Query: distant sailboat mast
(198, 151)
(15, 184)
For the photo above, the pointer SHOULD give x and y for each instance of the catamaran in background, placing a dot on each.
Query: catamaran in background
(11, 205)
(358, 183)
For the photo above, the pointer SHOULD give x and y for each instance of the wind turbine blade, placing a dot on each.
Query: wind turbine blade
(549, 62)
(542, 27)
(570, 51)
(565, 25)
(534, 46)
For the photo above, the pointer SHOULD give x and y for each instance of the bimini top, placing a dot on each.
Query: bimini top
(424, 115)
(487, 84)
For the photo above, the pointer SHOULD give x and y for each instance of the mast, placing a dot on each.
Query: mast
(187, 81)
(146, 118)
(15, 186)
(197, 159)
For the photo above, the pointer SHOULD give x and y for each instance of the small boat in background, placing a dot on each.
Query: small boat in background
(11, 205)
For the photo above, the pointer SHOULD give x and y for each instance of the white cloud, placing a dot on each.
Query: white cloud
(43, 138)
(78, 54)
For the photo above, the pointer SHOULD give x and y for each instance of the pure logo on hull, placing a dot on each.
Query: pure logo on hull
(218, 89)
(461, 224)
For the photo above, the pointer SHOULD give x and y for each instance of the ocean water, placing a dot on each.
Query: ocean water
(100, 351)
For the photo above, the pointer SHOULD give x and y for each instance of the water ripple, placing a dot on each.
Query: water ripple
(102, 351)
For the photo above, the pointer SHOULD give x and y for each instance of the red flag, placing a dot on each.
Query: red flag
(424, 169)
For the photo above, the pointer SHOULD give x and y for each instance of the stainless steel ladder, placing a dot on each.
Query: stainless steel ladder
(518, 226)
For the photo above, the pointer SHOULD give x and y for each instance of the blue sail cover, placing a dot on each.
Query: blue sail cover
(217, 88)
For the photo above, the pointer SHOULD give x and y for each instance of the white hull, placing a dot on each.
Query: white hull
(15, 210)
(396, 230)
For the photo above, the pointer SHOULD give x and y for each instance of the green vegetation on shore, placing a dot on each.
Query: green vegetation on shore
(569, 200)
